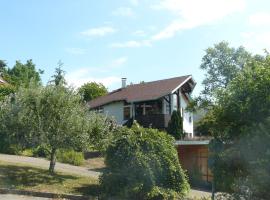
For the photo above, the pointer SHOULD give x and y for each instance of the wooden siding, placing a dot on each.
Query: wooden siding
(195, 158)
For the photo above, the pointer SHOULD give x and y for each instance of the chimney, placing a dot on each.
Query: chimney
(124, 82)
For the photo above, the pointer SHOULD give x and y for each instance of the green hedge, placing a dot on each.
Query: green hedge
(143, 164)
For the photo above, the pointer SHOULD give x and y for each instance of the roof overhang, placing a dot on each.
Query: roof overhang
(184, 82)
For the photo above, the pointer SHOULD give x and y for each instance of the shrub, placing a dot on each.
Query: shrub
(27, 152)
(175, 125)
(70, 156)
(139, 160)
(158, 193)
(41, 151)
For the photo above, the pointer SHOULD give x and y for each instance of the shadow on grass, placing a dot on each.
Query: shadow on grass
(89, 190)
(19, 176)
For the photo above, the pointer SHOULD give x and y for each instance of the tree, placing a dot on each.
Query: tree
(175, 125)
(21, 75)
(221, 63)
(142, 164)
(53, 116)
(92, 90)
(234, 121)
(59, 76)
(5, 90)
(3, 66)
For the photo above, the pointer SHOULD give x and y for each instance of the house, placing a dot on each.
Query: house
(149, 103)
(2, 81)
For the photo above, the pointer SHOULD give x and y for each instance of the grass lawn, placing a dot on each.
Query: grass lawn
(15, 176)
(95, 164)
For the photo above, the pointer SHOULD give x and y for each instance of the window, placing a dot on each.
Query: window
(126, 112)
(190, 119)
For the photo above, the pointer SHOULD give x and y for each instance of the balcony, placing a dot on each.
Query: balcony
(159, 121)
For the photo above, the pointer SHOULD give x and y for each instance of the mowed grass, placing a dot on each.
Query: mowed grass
(16, 176)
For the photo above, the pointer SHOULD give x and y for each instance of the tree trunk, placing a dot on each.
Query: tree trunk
(52, 161)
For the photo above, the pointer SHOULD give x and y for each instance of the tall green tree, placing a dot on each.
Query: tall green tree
(175, 125)
(53, 116)
(234, 121)
(221, 64)
(21, 75)
(59, 75)
(92, 90)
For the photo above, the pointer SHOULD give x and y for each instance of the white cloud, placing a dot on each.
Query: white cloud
(256, 41)
(84, 75)
(75, 51)
(193, 13)
(124, 11)
(131, 44)
(99, 31)
(260, 19)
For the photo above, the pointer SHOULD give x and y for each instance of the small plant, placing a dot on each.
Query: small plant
(70, 156)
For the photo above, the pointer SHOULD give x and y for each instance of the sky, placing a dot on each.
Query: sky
(142, 40)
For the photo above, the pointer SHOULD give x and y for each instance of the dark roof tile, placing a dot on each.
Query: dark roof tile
(141, 92)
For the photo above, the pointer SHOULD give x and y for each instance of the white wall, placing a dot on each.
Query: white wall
(115, 110)
(187, 126)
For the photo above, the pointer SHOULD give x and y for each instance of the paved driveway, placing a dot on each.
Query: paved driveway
(43, 163)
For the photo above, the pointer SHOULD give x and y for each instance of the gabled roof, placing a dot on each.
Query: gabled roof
(142, 92)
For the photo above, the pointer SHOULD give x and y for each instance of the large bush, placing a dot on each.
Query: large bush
(143, 164)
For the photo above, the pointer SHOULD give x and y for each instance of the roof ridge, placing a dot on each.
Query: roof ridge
(158, 80)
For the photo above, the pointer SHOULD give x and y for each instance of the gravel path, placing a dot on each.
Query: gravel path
(19, 197)
(42, 163)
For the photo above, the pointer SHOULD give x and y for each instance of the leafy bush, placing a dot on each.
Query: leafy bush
(158, 193)
(5, 90)
(142, 163)
(41, 151)
(70, 156)
(27, 152)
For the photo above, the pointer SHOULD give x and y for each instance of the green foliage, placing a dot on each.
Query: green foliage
(175, 126)
(138, 160)
(41, 151)
(70, 156)
(102, 130)
(22, 75)
(158, 193)
(221, 63)
(5, 90)
(92, 90)
(52, 116)
(27, 152)
(59, 76)
(240, 149)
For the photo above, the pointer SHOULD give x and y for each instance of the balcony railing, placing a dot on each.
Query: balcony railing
(159, 121)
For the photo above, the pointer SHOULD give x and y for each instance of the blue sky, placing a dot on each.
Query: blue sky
(142, 40)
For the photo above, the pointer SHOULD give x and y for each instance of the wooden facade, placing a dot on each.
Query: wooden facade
(194, 159)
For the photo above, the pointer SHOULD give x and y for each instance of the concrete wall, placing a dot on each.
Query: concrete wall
(116, 110)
